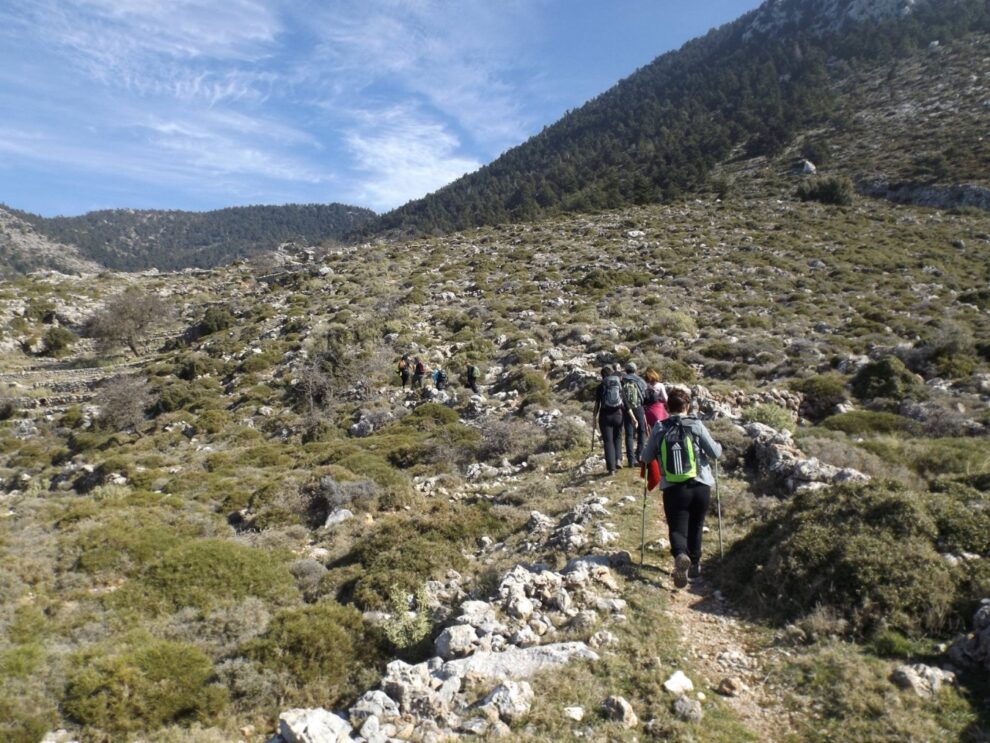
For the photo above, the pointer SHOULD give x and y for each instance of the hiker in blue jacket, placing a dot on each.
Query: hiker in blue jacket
(685, 502)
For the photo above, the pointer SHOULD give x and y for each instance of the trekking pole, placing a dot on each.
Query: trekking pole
(592, 437)
(718, 506)
(642, 531)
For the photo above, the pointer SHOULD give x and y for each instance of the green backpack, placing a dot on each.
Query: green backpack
(631, 394)
(677, 454)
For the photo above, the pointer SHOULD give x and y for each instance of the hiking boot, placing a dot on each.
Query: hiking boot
(694, 572)
(681, 564)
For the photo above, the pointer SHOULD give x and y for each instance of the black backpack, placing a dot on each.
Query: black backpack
(612, 392)
(441, 377)
(651, 395)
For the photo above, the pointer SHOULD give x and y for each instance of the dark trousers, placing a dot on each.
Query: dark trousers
(610, 423)
(685, 506)
(473, 385)
(638, 433)
(417, 380)
(404, 374)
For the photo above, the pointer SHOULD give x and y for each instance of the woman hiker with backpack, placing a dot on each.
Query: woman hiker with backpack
(655, 399)
(685, 449)
(609, 412)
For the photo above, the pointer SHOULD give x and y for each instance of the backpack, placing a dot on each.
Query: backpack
(651, 395)
(612, 395)
(473, 372)
(678, 458)
(631, 394)
(441, 377)
(402, 364)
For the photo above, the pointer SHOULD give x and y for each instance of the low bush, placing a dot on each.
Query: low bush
(214, 320)
(770, 415)
(523, 381)
(836, 190)
(58, 340)
(860, 422)
(142, 687)
(887, 378)
(822, 393)
(324, 645)
(868, 553)
(205, 573)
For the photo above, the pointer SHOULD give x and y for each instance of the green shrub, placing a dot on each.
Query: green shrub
(770, 415)
(822, 393)
(837, 190)
(24, 720)
(887, 378)
(866, 552)
(58, 340)
(215, 319)
(325, 645)
(143, 687)
(204, 573)
(402, 555)
(524, 381)
(213, 421)
(859, 422)
(676, 372)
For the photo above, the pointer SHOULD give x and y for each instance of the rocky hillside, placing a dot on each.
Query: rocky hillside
(231, 522)
(134, 239)
(24, 249)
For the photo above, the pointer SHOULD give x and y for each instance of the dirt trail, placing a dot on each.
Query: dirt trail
(719, 644)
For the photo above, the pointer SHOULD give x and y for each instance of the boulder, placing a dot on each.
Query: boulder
(456, 641)
(925, 681)
(686, 709)
(511, 699)
(678, 683)
(619, 710)
(520, 663)
(313, 726)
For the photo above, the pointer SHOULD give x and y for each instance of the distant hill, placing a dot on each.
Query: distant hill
(24, 249)
(130, 239)
(747, 89)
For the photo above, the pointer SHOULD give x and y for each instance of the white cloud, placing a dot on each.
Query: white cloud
(403, 157)
(460, 59)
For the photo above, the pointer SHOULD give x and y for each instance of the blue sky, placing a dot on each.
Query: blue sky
(201, 104)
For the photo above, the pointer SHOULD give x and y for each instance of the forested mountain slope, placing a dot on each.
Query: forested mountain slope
(747, 89)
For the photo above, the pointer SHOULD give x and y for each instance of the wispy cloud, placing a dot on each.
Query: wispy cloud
(402, 154)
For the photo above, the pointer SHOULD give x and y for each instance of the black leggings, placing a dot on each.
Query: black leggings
(685, 506)
(610, 422)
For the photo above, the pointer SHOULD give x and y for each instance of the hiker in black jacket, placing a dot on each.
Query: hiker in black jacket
(608, 412)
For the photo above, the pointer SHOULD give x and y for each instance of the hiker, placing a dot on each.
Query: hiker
(633, 420)
(419, 371)
(439, 378)
(473, 374)
(686, 480)
(403, 370)
(654, 399)
(609, 412)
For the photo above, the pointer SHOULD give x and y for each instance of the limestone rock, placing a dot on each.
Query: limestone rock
(687, 709)
(678, 683)
(456, 641)
(619, 710)
(925, 681)
(512, 699)
(313, 726)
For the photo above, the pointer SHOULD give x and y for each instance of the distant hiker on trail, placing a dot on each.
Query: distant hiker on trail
(473, 374)
(633, 421)
(440, 379)
(609, 412)
(685, 449)
(403, 370)
(419, 371)
(654, 399)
